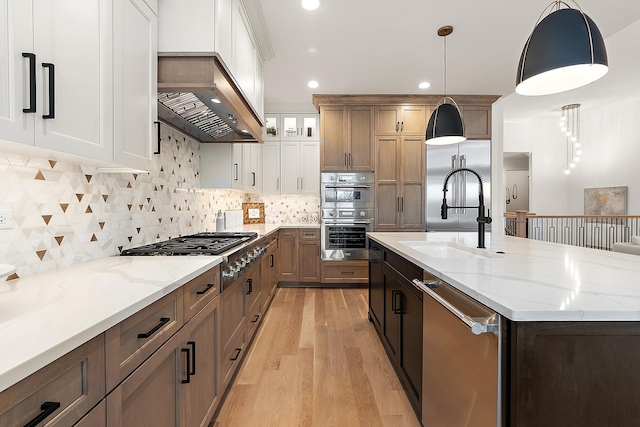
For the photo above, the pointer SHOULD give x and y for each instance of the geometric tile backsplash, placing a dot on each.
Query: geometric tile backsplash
(65, 213)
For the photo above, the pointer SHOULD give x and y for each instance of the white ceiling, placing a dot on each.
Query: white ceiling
(388, 47)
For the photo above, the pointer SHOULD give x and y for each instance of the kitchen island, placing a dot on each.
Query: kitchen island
(569, 334)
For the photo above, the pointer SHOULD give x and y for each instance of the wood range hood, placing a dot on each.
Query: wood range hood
(188, 84)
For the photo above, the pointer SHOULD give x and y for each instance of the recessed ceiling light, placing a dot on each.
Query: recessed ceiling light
(215, 100)
(312, 50)
(311, 4)
(313, 84)
(424, 85)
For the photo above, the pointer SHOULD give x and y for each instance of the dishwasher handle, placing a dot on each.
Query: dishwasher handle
(485, 325)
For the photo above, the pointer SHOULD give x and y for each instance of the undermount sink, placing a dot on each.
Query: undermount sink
(446, 250)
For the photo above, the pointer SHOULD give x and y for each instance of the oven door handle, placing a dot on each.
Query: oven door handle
(348, 222)
(347, 186)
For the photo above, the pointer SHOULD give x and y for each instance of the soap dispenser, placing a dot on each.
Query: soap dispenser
(219, 221)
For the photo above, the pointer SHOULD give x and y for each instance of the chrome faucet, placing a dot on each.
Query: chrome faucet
(481, 219)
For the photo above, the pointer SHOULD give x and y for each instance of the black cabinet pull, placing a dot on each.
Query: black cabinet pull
(193, 356)
(395, 307)
(271, 260)
(401, 126)
(52, 91)
(253, 179)
(163, 321)
(250, 282)
(188, 351)
(350, 165)
(402, 204)
(255, 318)
(345, 160)
(158, 124)
(397, 126)
(47, 409)
(235, 168)
(207, 289)
(32, 82)
(238, 350)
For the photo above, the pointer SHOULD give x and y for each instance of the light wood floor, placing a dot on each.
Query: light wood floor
(316, 361)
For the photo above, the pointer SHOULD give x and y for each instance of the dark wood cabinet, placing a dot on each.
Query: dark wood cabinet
(376, 286)
(270, 271)
(401, 324)
(288, 255)
(309, 255)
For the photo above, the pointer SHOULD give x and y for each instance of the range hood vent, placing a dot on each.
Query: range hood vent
(198, 96)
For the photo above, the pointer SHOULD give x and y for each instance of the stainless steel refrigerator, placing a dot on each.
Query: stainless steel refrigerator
(463, 186)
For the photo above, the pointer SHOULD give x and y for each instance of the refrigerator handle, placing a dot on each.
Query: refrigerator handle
(454, 189)
(463, 164)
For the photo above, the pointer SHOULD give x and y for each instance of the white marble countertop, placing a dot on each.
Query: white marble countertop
(44, 316)
(533, 280)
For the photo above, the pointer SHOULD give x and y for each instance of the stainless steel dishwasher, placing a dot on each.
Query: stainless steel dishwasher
(461, 359)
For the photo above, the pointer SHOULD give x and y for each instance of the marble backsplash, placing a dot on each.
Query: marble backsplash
(65, 213)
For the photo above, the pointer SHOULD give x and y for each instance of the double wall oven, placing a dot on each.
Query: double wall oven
(347, 214)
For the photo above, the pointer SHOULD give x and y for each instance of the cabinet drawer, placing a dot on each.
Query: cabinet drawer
(309, 233)
(232, 356)
(345, 271)
(69, 386)
(134, 339)
(200, 291)
(253, 320)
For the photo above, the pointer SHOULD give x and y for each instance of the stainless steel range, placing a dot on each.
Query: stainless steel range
(238, 250)
(347, 215)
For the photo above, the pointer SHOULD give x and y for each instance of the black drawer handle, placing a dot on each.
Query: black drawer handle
(188, 351)
(32, 82)
(193, 356)
(159, 139)
(394, 302)
(163, 321)
(271, 261)
(52, 91)
(47, 409)
(255, 318)
(238, 350)
(348, 272)
(207, 289)
(250, 282)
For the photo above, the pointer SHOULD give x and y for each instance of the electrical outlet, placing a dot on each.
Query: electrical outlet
(6, 219)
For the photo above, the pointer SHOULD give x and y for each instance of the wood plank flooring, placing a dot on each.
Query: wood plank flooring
(316, 361)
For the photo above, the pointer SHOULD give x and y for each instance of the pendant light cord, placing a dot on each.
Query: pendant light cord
(445, 65)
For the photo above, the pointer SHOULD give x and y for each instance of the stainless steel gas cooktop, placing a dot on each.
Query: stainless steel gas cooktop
(195, 244)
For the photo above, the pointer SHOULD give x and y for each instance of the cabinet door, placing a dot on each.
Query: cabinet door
(388, 119)
(135, 77)
(97, 417)
(75, 36)
(288, 255)
(477, 121)
(245, 57)
(376, 293)
(237, 166)
(271, 168)
(391, 325)
(252, 167)
(309, 255)
(387, 182)
(272, 127)
(309, 161)
(413, 154)
(333, 138)
(201, 396)
(289, 177)
(16, 37)
(300, 126)
(410, 356)
(361, 143)
(150, 395)
(413, 120)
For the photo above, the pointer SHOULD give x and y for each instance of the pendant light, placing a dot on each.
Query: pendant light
(564, 51)
(445, 124)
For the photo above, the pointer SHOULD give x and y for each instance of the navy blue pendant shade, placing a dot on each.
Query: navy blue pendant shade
(565, 51)
(445, 126)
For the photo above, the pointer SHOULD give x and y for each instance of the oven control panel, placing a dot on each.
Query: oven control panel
(347, 214)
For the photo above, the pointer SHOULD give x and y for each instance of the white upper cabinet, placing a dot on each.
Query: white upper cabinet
(221, 26)
(272, 127)
(300, 126)
(271, 168)
(135, 77)
(76, 77)
(57, 64)
(16, 37)
(301, 174)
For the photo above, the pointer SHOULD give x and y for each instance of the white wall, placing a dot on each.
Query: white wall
(611, 154)
(549, 185)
